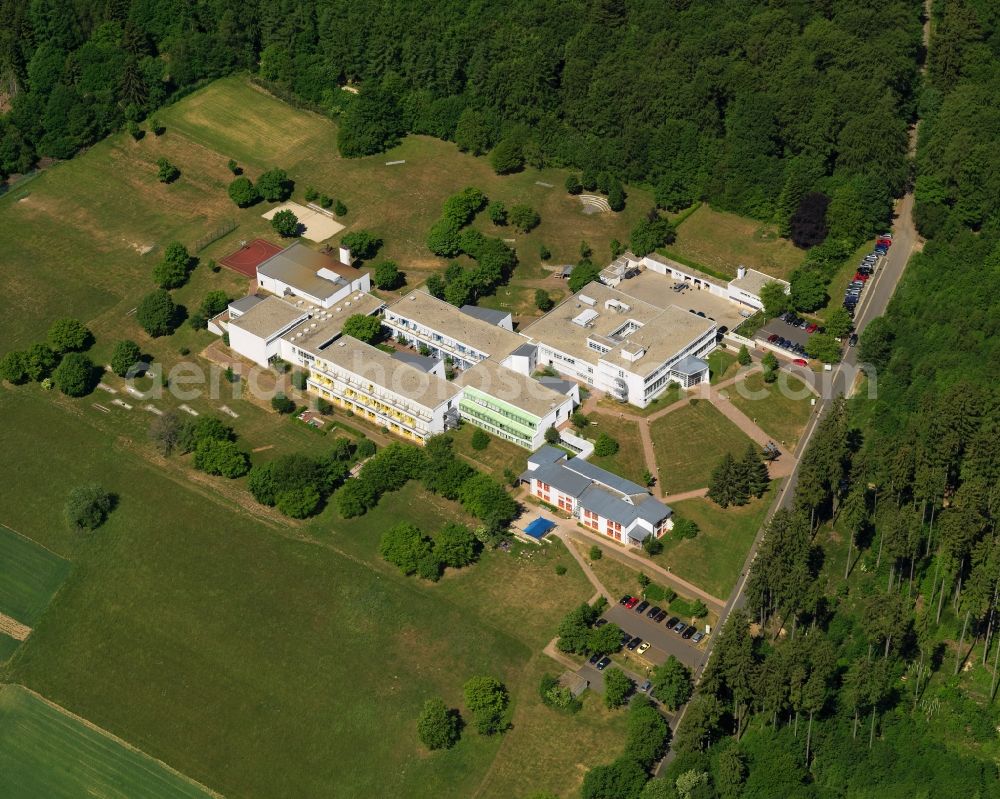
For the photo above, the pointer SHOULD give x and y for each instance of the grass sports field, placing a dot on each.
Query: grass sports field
(723, 241)
(29, 576)
(36, 739)
(208, 618)
(689, 443)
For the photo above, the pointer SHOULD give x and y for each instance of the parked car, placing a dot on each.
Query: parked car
(642, 647)
(800, 362)
(651, 613)
(660, 616)
(632, 602)
(671, 622)
(690, 631)
(593, 659)
(696, 638)
(603, 663)
(680, 628)
(632, 645)
(853, 340)
(772, 338)
(641, 606)
(600, 622)
(624, 600)
(646, 687)
(625, 637)
(812, 328)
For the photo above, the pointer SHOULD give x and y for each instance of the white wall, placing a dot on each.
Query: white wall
(250, 346)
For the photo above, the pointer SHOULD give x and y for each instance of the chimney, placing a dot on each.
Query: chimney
(345, 256)
(741, 271)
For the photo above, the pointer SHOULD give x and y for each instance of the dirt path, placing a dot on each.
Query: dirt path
(694, 494)
(14, 628)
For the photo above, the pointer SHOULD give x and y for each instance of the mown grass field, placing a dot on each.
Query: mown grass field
(721, 366)
(46, 752)
(689, 442)
(400, 202)
(713, 559)
(29, 576)
(198, 617)
(628, 461)
(723, 241)
(781, 409)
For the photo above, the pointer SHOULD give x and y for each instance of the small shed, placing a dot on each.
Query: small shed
(576, 684)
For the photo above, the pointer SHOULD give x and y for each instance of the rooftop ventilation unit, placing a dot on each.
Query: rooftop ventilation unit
(618, 305)
(587, 300)
(585, 319)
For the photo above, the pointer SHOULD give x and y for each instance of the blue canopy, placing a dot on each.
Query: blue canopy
(539, 527)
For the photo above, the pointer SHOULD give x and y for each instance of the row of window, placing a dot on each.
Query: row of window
(496, 428)
(521, 420)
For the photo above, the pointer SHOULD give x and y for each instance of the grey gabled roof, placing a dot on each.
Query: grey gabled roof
(244, 304)
(604, 503)
(603, 476)
(689, 366)
(420, 361)
(557, 475)
(545, 455)
(485, 314)
(526, 350)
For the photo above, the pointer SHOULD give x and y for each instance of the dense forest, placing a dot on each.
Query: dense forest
(751, 104)
(876, 663)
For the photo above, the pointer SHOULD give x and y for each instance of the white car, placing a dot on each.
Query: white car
(643, 647)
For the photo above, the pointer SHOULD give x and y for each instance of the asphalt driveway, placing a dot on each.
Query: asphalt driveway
(663, 642)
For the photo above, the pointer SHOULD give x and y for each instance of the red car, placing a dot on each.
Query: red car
(861, 276)
(882, 241)
(772, 338)
(632, 602)
(800, 362)
(812, 328)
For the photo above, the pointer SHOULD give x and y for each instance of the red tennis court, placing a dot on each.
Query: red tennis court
(251, 255)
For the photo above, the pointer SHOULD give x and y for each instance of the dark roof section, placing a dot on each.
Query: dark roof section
(568, 482)
(604, 477)
(485, 314)
(244, 304)
(420, 361)
(545, 455)
(526, 351)
(556, 384)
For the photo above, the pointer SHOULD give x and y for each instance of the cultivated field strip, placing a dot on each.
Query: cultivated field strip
(48, 752)
(30, 575)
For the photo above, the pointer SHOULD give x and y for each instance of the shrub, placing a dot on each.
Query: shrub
(338, 208)
(311, 194)
(605, 445)
(364, 328)
(480, 440)
(125, 357)
(282, 404)
(544, 253)
(387, 275)
(552, 436)
(438, 727)
(285, 224)
(507, 157)
(543, 302)
(299, 380)
(617, 687)
(497, 212)
(573, 184)
(75, 375)
(69, 335)
(14, 368)
(596, 553)
(243, 192)
(524, 218)
(157, 313)
(234, 167)
(560, 569)
(363, 244)
(87, 507)
(274, 185)
(487, 698)
(166, 172)
(221, 457)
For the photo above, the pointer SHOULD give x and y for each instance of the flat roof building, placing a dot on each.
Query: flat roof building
(620, 343)
(298, 271)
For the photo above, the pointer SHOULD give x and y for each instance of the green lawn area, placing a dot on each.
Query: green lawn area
(401, 201)
(45, 751)
(712, 559)
(781, 409)
(721, 366)
(628, 461)
(199, 617)
(671, 394)
(689, 443)
(722, 241)
(497, 457)
(29, 576)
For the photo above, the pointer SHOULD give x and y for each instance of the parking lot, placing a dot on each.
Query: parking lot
(779, 327)
(663, 642)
